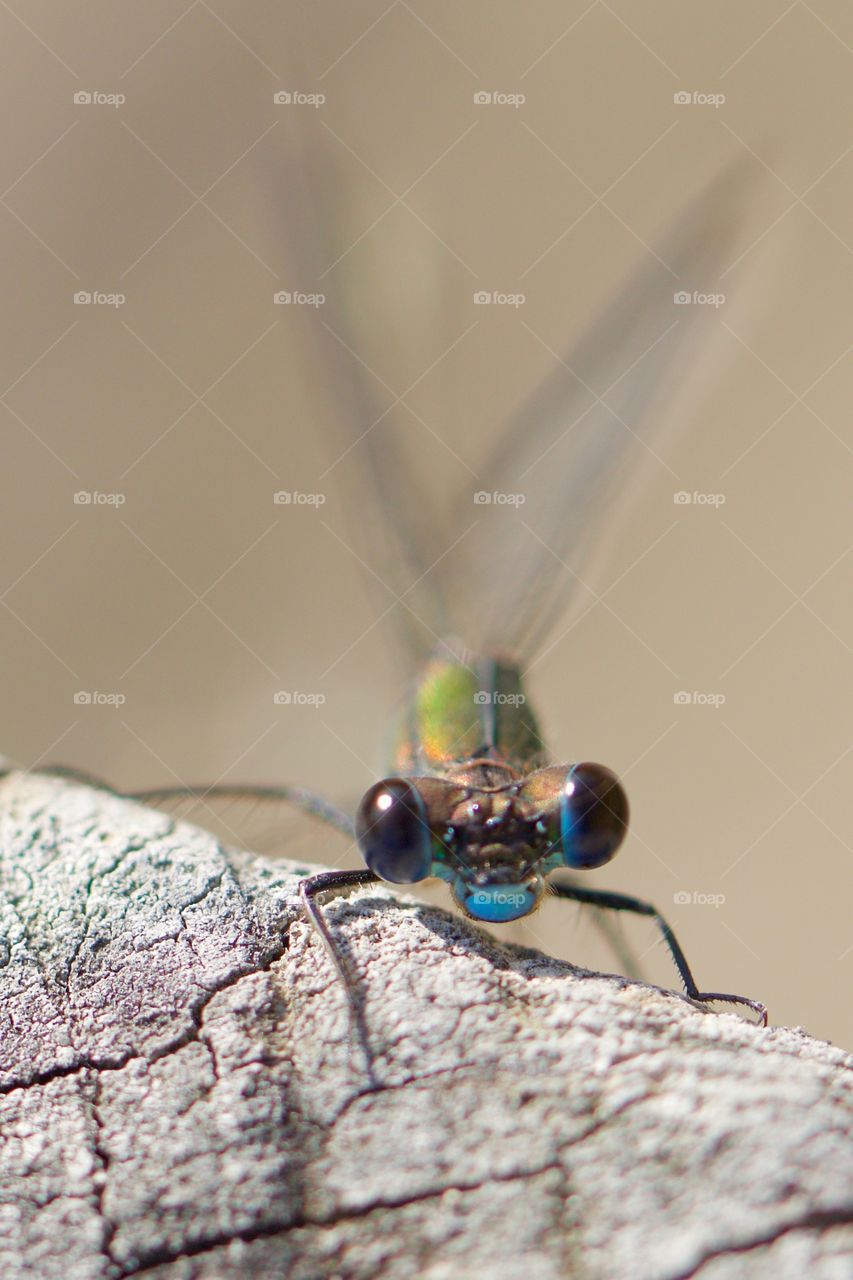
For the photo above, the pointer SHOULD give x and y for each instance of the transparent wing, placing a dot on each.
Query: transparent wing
(567, 456)
(557, 486)
(393, 530)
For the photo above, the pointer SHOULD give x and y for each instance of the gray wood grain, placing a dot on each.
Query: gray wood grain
(179, 1097)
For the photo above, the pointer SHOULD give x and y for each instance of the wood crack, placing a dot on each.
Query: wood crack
(268, 1230)
(814, 1220)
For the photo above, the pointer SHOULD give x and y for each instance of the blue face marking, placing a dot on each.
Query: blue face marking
(496, 903)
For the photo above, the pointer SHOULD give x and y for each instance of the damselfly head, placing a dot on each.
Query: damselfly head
(495, 845)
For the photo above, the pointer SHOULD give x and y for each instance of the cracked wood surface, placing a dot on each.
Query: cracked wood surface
(179, 1098)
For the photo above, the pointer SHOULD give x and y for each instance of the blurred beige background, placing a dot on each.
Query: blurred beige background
(196, 398)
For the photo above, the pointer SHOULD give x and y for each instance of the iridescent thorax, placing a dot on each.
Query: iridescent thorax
(465, 711)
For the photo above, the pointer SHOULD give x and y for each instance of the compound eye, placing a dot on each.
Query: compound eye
(593, 816)
(393, 832)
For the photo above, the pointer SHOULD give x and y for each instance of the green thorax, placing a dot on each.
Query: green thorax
(465, 710)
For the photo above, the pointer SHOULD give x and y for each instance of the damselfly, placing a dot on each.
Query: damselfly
(472, 798)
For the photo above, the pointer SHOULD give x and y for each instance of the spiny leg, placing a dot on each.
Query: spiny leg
(624, 902)
(333, 881)
(627, 961)
(310, 886)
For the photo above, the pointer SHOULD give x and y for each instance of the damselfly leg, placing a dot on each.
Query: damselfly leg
(316, 806)
(624, 902)
(211, 801)
(336, 882)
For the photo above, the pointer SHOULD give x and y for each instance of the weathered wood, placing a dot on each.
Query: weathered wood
(179, 1097)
